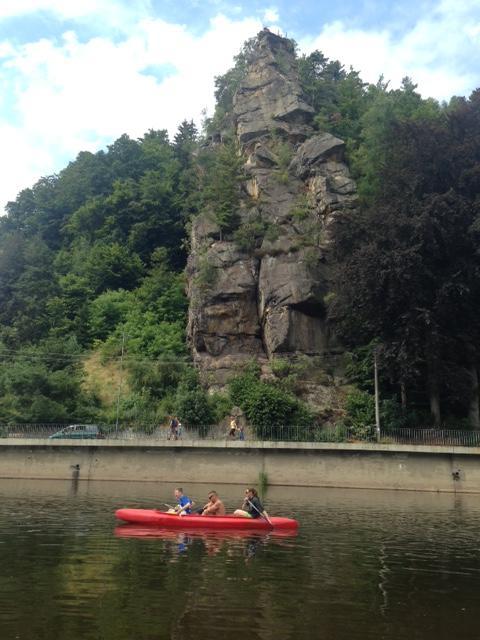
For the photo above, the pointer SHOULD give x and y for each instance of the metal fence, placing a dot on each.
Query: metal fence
(430, 436)
(406, 436)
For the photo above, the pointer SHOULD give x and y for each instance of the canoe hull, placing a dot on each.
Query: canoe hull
(152, 517)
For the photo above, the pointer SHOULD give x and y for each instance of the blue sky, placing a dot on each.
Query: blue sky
(76, 74)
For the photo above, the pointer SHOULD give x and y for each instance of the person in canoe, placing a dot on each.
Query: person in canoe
(214, 506)
(252, 507)
(184, 504)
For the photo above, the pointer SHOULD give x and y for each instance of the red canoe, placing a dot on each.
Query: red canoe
(173, 521)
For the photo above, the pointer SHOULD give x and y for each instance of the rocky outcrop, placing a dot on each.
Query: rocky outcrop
(270, 98)
(268, 300)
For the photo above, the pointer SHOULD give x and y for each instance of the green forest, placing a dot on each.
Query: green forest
(93, 307)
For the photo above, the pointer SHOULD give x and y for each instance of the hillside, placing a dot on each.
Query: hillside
(257, 263)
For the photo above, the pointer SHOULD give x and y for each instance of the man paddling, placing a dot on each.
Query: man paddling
(184, 503)
(252, 507)
(214, 506)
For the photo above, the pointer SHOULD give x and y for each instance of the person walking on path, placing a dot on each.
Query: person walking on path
(233, 429)
(173, 429)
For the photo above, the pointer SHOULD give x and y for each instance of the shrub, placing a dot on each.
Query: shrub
(301, 208)
(221, 405)
(250, 234)
(192, 404)
(360, 418)
(206, 274)
(243, 385)
(268, 407)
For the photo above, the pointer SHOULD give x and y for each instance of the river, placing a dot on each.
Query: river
(365, 564)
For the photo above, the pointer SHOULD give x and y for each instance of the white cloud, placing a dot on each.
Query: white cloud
(63, 96)
(437, 52)
(71, 96)
(271, 16)
(69, 9)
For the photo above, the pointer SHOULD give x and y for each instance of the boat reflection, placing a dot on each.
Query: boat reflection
(138, 531)
(213, 542)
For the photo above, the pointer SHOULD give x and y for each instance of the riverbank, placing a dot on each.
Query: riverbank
(342, 465)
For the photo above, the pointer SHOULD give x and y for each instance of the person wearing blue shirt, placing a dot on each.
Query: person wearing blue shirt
(184, 503)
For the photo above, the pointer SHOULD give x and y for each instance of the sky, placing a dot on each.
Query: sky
(77, 74)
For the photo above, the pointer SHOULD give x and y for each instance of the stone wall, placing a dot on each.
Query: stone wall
(366, 466)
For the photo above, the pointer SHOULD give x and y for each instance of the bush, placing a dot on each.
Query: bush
(107, 311)
(243, 386)
(268, 408)
(250, 234)
(339, 433)
(221, 406)
(360, 418)
(135, 409)
(206, 274)
(192, 404)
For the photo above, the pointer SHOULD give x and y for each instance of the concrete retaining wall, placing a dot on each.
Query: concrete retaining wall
(370, 466)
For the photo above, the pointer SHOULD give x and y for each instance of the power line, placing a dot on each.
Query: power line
(83, 359)
(10, 354)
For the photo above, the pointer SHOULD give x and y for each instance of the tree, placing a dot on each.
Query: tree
(408, 267)
(339, 97)
(386, 109)
(184, 143)
(221, 186)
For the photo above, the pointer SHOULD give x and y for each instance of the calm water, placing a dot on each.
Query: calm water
(365, 564)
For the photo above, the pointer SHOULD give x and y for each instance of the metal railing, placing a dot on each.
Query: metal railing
(431, 436)
(340, 433)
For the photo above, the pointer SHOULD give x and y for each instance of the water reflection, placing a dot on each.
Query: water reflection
(365, 564)
(212, 541)
(138, 531)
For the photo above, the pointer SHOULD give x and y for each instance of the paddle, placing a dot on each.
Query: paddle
(170, 508)
(262, 515)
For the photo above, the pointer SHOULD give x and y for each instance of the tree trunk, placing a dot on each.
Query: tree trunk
(433, 391)
(474, 408)
(434, 397)
(403, 395)
(431, 349)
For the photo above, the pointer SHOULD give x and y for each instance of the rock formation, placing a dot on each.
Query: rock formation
(268, 301)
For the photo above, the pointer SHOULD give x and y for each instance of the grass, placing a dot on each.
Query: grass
(104, 379)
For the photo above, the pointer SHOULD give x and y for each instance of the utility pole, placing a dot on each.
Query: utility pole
(120, 383)
(377, 395)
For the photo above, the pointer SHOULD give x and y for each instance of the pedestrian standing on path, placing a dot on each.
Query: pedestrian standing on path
(233, 428)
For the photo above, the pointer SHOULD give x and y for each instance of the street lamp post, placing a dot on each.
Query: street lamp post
(120, 384)
(377, 395)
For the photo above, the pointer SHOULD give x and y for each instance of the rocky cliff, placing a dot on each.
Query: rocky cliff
(268, 301)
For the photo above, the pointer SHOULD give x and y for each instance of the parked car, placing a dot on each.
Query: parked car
(78, 431)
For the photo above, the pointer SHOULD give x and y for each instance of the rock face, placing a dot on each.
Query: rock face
(268, 301)
(270, 97)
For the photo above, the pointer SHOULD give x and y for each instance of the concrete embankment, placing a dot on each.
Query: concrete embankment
(368, 466)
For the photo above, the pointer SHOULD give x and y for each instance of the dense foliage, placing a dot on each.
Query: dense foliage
(92, 302)
(92, 258)
(268, 406)
(408, 272)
